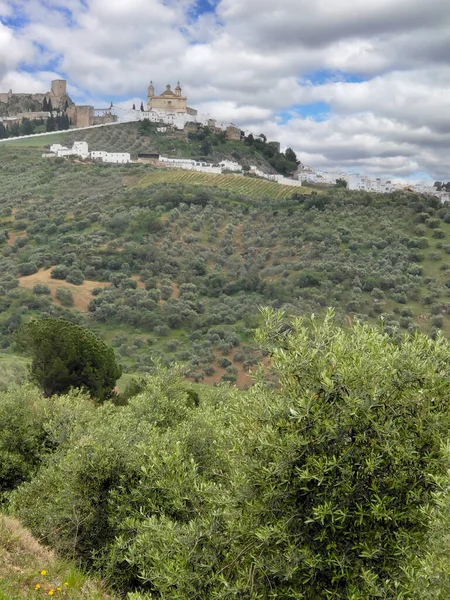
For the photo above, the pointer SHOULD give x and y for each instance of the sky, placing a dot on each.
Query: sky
(351, 85)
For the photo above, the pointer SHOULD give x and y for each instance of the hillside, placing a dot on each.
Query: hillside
(168, 271)
(144, 137)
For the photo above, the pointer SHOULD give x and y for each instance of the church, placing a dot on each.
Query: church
(169, 101)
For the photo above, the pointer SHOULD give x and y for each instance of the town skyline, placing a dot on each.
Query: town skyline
(362, 88)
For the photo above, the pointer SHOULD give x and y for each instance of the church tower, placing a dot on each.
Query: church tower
(178, 90)
(150, 95)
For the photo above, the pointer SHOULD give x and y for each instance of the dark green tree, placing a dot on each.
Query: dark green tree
(26, 127)
(51, 124)
(68, 356)
(142, 107)
(341, 183)
(290, 155)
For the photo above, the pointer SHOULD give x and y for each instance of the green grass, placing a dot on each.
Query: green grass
(38, 141)
(238, 184)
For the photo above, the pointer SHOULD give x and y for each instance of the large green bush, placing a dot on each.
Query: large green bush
(326, 480)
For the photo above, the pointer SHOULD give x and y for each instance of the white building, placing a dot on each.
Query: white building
(196, 165)
(111, 157)
(81, 149)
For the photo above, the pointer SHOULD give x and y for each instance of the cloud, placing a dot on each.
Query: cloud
(381, 67)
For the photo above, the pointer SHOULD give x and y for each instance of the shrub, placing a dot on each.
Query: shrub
(59, 272)
(313, 483)
(64, 296)
(41, 288)
(27, 269)
(22, 438)
(75, 276)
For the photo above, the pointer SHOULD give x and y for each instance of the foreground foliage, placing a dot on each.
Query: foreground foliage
(326, 480)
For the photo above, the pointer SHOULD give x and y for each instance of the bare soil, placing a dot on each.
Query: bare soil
(82, 294)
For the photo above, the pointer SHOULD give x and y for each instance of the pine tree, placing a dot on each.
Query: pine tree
(142, 106)
(134, 106)
(66, 355)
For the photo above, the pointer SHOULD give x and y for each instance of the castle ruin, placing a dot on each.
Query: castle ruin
(15, 107)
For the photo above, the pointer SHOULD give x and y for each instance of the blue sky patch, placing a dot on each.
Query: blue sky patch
(203, 6)
(318, 111)
(330, 76)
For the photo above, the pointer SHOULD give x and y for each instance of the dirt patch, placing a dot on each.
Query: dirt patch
(82, 294)
(13, 236)
(140, 283)
(243, 378)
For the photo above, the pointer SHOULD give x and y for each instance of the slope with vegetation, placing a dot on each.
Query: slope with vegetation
(328, 479)
(168, 271)
(202, 144)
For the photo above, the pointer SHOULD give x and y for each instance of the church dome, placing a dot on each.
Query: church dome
(168, 91)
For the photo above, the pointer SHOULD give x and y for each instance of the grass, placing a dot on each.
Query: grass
(38, 141)
(28, 570)
(238, 184)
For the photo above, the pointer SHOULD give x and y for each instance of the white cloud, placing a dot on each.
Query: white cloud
(253, 59)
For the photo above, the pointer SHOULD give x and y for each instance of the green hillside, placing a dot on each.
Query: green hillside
(327, 479)
(135, 137)
(174, 266)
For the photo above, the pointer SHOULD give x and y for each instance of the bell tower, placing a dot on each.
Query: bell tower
(150, 95)
(178, 90)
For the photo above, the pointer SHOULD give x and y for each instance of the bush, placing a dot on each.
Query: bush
(333, 483)
(22, 436)
(75, 276)
(27, 269)
(64, 296)
(41, 288)
(320, 470)
(59, 272)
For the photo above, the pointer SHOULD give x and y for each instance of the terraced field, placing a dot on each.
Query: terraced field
(235, 183)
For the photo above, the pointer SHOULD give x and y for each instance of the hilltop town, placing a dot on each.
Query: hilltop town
(27, 114)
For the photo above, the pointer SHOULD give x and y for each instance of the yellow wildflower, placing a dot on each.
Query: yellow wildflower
(43, 572)
(66, 584)
(58, 589)
(37, 586)
(51, 592)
